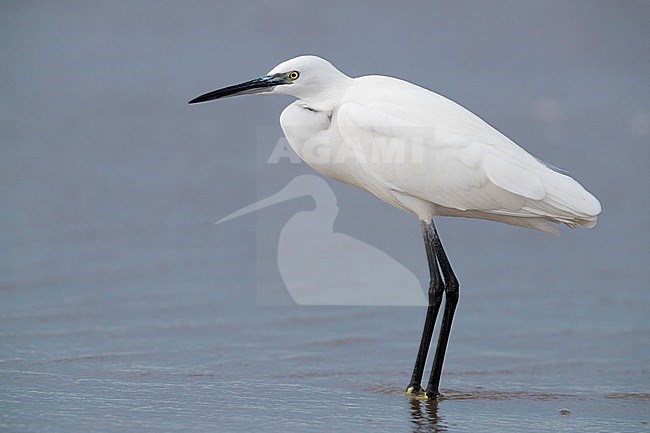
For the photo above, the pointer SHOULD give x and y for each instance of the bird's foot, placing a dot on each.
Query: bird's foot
(413, 388)
(432, 395)
(415, 391)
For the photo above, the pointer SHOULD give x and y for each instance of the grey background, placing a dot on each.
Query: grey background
(123, 308)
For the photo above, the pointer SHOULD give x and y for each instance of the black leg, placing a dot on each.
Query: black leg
(451, 300)
(436, 289)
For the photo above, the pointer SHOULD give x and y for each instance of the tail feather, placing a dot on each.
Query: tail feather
(566, 202)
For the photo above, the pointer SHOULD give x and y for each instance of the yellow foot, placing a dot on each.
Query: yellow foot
(417, 393)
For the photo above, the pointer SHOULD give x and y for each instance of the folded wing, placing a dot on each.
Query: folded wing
(438, 151)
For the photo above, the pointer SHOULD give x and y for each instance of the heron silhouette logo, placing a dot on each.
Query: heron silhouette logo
(321, 267)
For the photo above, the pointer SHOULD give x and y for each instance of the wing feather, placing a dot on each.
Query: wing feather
(452, 158)
(447, 170)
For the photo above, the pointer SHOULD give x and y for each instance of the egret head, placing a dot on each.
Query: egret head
(305, 77)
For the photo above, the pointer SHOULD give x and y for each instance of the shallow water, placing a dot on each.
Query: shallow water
(124, 308)
(116, 362)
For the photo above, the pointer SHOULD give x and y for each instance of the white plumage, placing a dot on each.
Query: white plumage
(422, 152)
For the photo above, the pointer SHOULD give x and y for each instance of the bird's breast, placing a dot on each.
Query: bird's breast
(315, 137)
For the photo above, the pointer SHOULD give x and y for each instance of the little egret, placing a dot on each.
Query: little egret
(422, 153)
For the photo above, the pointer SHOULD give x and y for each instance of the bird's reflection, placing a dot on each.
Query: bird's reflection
(424, 416)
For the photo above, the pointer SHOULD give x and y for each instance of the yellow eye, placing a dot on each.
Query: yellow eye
(293, 75)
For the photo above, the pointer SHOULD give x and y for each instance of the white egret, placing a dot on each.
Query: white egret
(422, 153)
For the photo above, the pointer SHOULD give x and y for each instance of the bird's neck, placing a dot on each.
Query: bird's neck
(328, 97)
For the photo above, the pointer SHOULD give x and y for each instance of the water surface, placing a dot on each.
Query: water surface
(124, 308)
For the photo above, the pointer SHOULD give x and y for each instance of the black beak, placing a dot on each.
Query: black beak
(258, 85)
